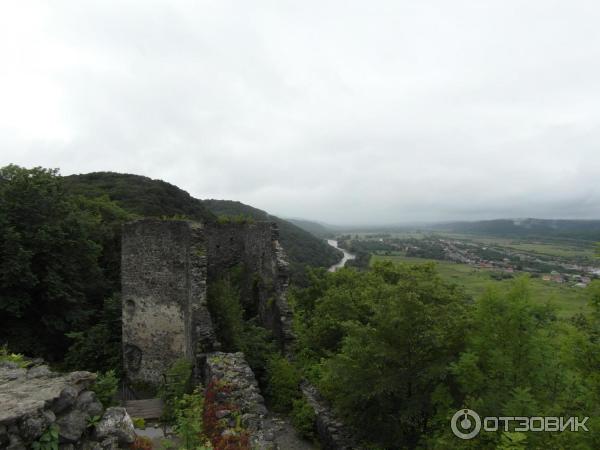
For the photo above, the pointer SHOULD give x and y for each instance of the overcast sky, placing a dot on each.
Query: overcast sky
(340, 111)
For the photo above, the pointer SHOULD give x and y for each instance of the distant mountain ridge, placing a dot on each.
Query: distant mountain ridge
(585, 230)
(315, 228)
(530, 227)
(156, 198)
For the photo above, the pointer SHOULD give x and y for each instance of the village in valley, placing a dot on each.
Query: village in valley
(550, 268)
(569, 264)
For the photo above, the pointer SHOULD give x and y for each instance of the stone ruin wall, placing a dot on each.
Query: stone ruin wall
(166, 268)
(256, 246)
(165, 316)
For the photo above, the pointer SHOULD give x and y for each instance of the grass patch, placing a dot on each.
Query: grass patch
(567, 299)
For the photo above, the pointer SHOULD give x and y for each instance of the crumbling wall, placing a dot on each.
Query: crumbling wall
(256, 247)
(32, 400)
(333, 434)
(165, 316)
(166, 267)
(237, 399)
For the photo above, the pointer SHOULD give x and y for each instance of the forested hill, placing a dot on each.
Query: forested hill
(139, 195)
(522, 228)
(301, 246)
(147, 197)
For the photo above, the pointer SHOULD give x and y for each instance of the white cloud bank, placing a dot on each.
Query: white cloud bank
(343, 111)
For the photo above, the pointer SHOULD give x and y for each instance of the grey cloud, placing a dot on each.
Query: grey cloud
(342, 111)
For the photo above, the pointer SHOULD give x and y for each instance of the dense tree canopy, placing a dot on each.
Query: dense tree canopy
(58, 260)
(387, 337)
(398, 352)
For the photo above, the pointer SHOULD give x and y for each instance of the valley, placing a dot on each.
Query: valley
(560, 270)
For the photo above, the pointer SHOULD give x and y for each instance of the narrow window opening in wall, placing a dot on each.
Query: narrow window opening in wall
(129, 306)
(251, 309)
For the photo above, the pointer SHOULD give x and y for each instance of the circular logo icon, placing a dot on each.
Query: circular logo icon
(466, 424)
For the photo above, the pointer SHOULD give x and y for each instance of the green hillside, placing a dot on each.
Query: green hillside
(147, 197)
(140, 195)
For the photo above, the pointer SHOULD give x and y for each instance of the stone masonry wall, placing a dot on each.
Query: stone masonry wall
(333, 434)
(166, 267)
(255, 246)
(165, 317)
(32, 400)
(238, 401)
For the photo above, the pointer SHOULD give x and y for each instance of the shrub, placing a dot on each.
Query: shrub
(303, 418)
(105, 388)
(258, 348)
(48, 440)
(16, 358)
(188, 420)
(177, 384)
(139, 422)
(98, 347)
(92, 421)
(283, 383)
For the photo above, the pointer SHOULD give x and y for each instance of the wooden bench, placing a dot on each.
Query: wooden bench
(151, 408)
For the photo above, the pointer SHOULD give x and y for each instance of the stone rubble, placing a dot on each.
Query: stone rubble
(34, 399)
(231, 369)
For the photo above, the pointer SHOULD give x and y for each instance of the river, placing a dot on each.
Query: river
(347, 256)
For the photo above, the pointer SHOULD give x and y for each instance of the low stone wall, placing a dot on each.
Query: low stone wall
(333, 433)
(34, 399)
(238, 398)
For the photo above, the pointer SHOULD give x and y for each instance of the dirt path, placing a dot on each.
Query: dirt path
(286, 436)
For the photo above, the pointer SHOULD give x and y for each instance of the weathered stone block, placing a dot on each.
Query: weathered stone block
(115, 423)
(164, 296)
(72, 425)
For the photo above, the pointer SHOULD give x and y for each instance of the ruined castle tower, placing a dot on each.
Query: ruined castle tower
(167, 266)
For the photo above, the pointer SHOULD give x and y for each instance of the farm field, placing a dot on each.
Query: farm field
(560, 248)
(568, 300)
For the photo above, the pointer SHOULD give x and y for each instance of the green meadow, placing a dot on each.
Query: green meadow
(568, 300)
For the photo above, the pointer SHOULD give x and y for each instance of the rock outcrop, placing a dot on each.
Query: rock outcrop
(36, 399)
